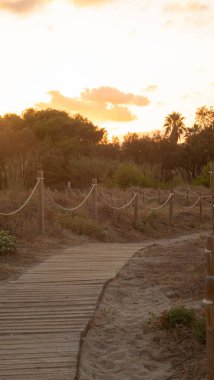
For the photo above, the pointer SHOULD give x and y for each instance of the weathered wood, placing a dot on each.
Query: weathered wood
(171, 205)
(44, 311)
(187, 196)
(41, 201)
(94, 199)
(136, 208)
(212, 192)
(201, 208)
(209, 308)
(159, 196)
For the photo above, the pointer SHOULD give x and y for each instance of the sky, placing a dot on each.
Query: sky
(124, 64)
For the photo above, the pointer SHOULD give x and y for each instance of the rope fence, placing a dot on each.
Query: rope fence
(23, 205)
(138, 201)
(65, 208)
(171, 201)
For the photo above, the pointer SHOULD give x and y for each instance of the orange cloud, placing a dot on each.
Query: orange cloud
(22, 6)
(89, 3)
(150, 88)
(114, 96)
(186, 6)
(112, 105)
(27, 6)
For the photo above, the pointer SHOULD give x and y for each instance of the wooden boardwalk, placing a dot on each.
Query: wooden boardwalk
(43, 313)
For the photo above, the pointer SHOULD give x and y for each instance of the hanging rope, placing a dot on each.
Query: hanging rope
(24, 204)
(161, 206)
(146, 196)
(122, 207)
(189, 207)
(179, 192)
(69, 209)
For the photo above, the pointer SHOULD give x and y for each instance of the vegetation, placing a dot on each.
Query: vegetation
(7, 243)
(83, 226)
(71, 148)
(177, 317)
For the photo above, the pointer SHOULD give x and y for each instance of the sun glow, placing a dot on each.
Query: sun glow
(140, 50)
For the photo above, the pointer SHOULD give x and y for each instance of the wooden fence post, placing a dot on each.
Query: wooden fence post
(209, 308)
(41, 201)
(187, 196)
(171, 204)
(174, 195)
(94, 206)
(69, 188)
(136, 208)
(201, 207)
(159, 196)
(212, 192)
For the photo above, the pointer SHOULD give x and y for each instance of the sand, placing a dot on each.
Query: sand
(116, 345)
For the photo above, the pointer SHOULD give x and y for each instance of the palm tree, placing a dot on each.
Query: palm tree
(174, 126)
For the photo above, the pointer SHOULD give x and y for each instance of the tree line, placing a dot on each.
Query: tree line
(72, 148)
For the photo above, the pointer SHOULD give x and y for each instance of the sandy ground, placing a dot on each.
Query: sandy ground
(117, 346)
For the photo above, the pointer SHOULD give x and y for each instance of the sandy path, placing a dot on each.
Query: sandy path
(116, 346)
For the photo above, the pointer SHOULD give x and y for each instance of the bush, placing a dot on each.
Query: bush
(7, 243)
(169, 319)
(83, 226)
(83, 169)
(204, 178)
(200, 330)
(127, 175)
(179, 315)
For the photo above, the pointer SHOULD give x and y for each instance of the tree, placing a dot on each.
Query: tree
(204, 117)
(174, 126)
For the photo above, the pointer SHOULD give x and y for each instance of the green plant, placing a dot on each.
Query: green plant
(127, 174)
(83, 226)
(7, 243)
(169, 319)
(200, 330)
(204, 178)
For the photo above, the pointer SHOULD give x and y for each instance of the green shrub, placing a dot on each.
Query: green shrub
(83, 169)
(152, 222)
(179, 315)
(204, 178)
(200, 330)
(128, 174)
(83, 226)
(7, 243)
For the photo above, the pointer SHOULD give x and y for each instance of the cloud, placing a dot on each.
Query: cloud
(89, 3)
(99, 104)
(22, 6)
(27, 6)
(186, 6)
(150, 88)
(114, 96)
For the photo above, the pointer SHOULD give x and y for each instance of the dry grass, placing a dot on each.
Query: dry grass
(62, 227)
(155, 280)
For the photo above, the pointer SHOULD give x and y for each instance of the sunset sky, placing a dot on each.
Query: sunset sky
(124, 64)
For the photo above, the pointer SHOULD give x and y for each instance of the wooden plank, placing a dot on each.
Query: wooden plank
(43, 312)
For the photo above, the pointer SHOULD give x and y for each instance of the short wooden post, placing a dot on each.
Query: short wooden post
(94, 206)
(171, 205)
(187, 196)
(174, 195)
(209, 308)
(136, 208)
(159, 196)
(212, 192)
(143, 195)
(201, 207)
(41, 201)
